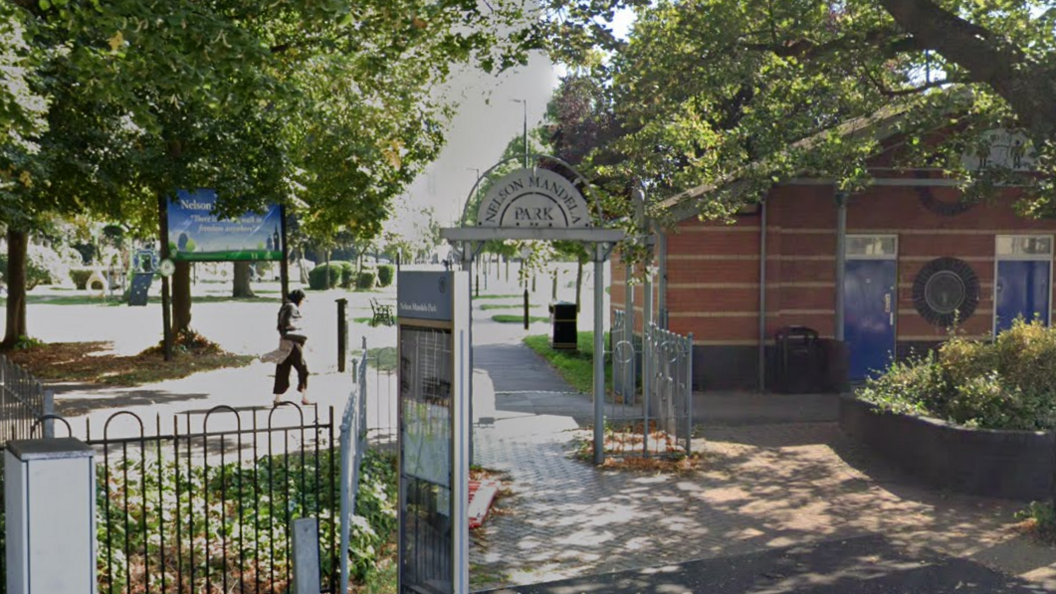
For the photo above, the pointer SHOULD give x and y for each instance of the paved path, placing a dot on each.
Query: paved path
(764, 485)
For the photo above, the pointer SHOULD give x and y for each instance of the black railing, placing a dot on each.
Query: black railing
(23, 405)
(207, 506)
(23, 402)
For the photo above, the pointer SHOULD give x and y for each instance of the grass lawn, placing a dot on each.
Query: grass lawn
(488, 306)
(116, 301)
(81, 362)
(577, 367)
(382, 358)
(518, 319)
(497, 297)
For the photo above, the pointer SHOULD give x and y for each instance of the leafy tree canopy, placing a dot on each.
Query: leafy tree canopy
(711, 91)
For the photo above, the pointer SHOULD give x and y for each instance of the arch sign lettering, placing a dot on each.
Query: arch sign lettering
(534, 198)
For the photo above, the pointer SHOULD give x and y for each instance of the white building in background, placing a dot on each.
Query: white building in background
(487, 119)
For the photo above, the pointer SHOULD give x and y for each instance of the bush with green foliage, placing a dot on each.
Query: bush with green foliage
(1007, 383)
(80, 277)
(365, 280)
(327, 276)
(386, 273)
(348, 275)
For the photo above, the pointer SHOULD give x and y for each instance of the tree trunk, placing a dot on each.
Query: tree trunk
(507, 258)
(17, 244)
(553, 297)
(242, 286)
(579, 283)
(181, 299)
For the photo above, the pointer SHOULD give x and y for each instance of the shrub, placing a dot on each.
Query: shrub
(80, 277)
(386, 272)
(365, 280)
(348, 274)
(326, 276)
(1009, 383)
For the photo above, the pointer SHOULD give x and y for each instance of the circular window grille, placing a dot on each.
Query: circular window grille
(946, 291)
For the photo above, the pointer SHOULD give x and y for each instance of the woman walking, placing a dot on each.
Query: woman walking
(292, 338)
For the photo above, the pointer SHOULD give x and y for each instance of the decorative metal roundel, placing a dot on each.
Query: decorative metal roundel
(945, 291)
(946, 208)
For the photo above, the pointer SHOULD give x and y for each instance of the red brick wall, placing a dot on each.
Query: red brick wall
(713, 268)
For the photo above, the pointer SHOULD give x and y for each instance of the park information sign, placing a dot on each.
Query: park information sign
(533, 198)
(433, 339)
(197, 235)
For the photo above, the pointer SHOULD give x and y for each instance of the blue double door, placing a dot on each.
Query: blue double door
(870, 304)
(1023, 289)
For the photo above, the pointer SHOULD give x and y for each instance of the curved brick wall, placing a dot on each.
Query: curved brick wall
(1007, 464)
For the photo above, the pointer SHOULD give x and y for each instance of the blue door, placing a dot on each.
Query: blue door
(1022, 290)
(869, 301)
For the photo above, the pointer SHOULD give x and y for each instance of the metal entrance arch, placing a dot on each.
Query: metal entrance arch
(537, 190)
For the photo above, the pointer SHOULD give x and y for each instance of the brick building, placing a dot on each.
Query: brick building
(915, 258)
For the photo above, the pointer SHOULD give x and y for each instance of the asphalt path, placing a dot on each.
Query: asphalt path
(865, 565)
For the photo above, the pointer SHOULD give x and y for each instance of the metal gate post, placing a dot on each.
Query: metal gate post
(689, 393)
(599, 355)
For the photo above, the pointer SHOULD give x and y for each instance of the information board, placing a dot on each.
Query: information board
(433, 315)
(198, 235)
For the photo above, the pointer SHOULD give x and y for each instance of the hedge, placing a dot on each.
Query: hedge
(386, 273)
(317, 277)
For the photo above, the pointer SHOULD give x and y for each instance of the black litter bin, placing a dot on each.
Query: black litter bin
(800, 361)
(563, 334)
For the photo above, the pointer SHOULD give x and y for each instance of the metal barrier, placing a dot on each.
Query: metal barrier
(668, 359)
(353, 444)
(624, 357)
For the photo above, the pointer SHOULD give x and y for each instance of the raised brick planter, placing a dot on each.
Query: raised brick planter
(992, 463)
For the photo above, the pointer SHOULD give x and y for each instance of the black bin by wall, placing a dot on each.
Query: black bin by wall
(563, 332)
(800, 361)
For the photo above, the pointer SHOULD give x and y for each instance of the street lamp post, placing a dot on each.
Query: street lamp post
(524, 102)
(476, 194)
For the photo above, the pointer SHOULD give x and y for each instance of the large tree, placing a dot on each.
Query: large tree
(709, 91)
(319, 104)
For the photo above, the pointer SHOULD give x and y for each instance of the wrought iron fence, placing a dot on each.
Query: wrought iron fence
(23, 401)
(23, 404)
(206, 506)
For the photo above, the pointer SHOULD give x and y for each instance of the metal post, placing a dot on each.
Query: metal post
(762, 297)
(599, 355)
(689, 389)
(305, 532)
(166, 313)
(49, 409)
(648, 354)
(841, 260)
(342, 333)
(661, 292)
(526, 308)
(284, 266)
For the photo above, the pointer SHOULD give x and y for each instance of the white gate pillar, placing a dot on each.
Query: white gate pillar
(49, 493)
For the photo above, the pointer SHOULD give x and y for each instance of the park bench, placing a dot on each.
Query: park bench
(382, 314)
